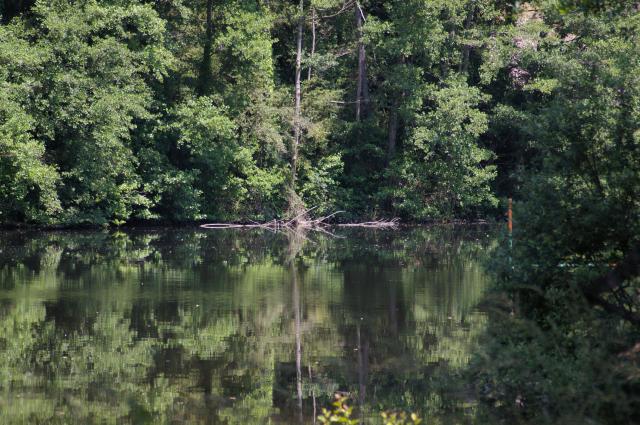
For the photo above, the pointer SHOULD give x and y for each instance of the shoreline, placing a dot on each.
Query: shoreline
(198, 225)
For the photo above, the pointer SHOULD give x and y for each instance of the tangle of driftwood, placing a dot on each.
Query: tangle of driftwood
(302, 221)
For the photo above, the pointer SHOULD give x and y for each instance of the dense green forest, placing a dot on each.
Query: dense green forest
(235, 110)
(128, 110)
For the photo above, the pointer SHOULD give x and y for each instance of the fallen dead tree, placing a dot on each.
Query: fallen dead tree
(302, 221)
(374, 224)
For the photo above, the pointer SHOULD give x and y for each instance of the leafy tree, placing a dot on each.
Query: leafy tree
(28, 184)
(443, 171)
(573, 272)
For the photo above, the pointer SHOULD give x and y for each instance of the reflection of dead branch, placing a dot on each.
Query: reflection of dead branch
(297, 240)
(302, 221)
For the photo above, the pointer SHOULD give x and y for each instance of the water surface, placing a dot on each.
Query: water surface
(172, 326)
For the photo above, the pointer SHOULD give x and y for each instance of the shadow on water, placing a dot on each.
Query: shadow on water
(222, 327)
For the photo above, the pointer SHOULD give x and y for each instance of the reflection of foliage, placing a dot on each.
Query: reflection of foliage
(186, 326)
(393, 418)
(342, 413)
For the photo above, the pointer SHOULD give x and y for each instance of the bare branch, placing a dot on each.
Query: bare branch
(345, 8)
(613, 283)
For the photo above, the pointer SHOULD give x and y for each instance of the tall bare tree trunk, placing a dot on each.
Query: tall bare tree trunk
(209, 19)
(466, 48)
(362, 92)
(394, 120)
(393, 131)
(297, 131)
(313, 38)
(444, 64)
(464, 63)
(204, 78)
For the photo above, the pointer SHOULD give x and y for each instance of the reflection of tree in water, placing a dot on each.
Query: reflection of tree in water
(229, 327)
(392, 344)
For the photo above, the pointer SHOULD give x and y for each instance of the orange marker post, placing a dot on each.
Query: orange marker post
(510, 225)
(510, 215)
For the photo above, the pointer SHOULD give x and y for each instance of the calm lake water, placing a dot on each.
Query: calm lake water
(172, 326)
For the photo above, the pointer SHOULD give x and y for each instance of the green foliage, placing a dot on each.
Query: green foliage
(27, 182)
(531, 373)
(120, 111)
(90, 85)
(444, 172)
(570, 339)
(116, 111)
(207, 137)
(320, 186)
(168, 111)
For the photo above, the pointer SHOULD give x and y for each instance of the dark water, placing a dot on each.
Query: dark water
(236, 327)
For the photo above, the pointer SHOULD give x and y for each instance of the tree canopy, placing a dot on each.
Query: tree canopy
(121, 111)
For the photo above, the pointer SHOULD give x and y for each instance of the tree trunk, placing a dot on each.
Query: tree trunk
(444, 64)
(394, 120)
(613, 283)
(297, 131)
(464, 63)
(393, 131)
(466, 49)
(205, 67)
(362, 92)
(209, 19)
(313, 38)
